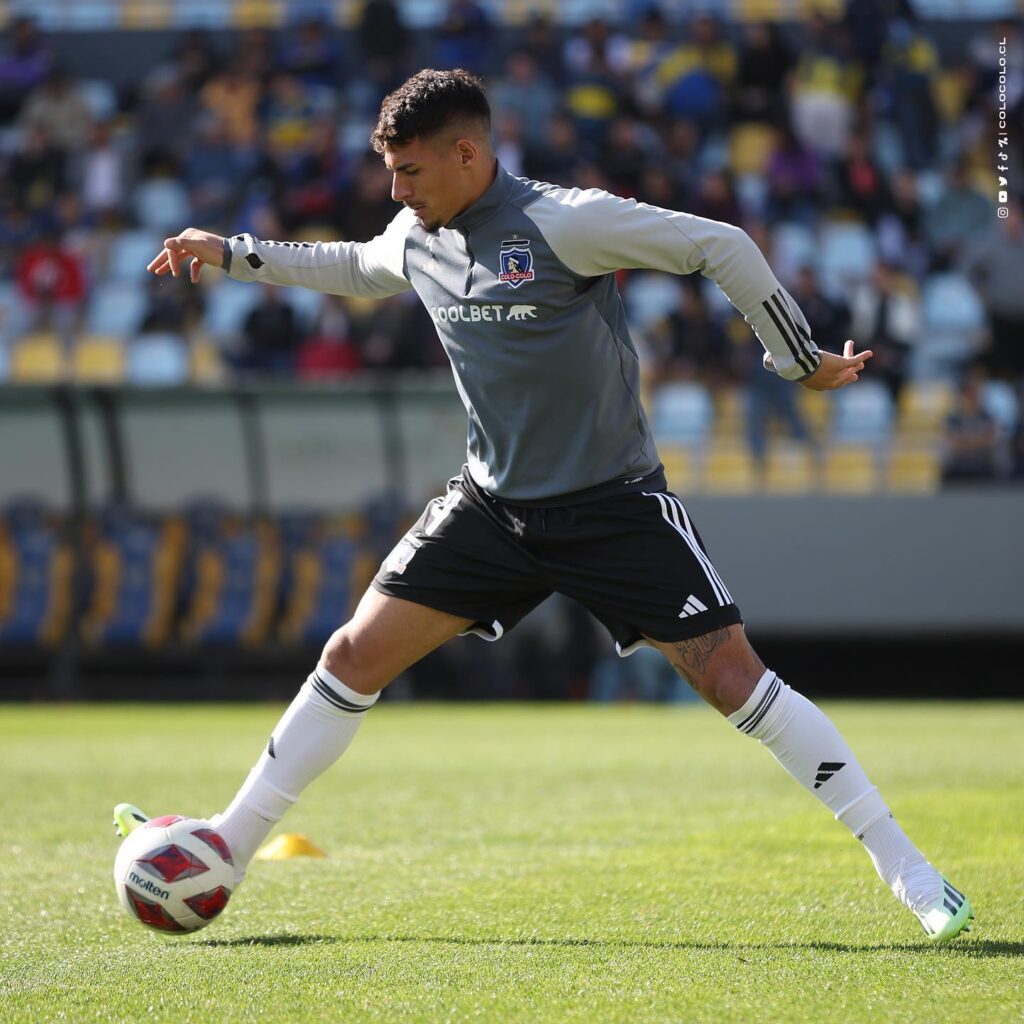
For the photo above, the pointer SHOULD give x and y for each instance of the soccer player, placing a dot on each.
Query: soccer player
(563, 489)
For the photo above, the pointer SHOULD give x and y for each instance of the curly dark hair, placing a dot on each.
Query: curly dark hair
(426, 104)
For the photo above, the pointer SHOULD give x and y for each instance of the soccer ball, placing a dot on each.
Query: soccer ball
(174, 874)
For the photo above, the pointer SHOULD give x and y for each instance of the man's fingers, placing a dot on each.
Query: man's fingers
(194, 269)
(848, 349)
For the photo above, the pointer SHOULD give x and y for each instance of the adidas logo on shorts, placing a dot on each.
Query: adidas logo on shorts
(692, 607)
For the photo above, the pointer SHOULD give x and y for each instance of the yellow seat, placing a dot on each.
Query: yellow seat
(681, 468)
(850, 469)
(924, 406)
(789, 468)
(750, 147)
(98, 359)
(136, 14)
(730, 413)
(38, 359)
(914, 469)
(257, 13)
(205, 363)
(730, 469)
(816, 409)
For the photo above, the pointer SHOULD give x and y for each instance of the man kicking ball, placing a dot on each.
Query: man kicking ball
(563, 489)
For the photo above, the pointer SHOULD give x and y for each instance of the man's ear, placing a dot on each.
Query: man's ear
(467, 152)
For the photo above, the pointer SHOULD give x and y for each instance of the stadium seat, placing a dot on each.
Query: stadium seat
(793, 246)
(863, 414)
(789, 468)
(5, 362)
(913, 468)
(135, 560)
(158, 360)
(36, 567)
(816, 408)
(205, 363)
(162, 204)
(98, 359)
(228, 304)
(116, 307)
(850, 469)
(99, 95)
(730, 469)
(750, 147)
(1000, 401)
(846, 255)
(306, 304)
(730, 413)
(650, 297)
(130, 253)
(38, 359)
(953, 324)
(681, 468)
(924, 406)
(682, 412)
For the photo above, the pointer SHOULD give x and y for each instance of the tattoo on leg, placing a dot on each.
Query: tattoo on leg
(691, 657)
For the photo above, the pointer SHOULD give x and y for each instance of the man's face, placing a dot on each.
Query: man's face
(428, 177)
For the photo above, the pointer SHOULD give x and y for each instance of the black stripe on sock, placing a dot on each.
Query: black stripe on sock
(759, 703)
(762, 709)
(790, 343)
(336, 699)
(786, 313)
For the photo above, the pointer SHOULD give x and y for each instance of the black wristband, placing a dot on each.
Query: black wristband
(226, 265)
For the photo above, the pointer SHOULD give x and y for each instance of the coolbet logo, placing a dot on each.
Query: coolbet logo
(145, 883)
(471, 313)
(516, 262)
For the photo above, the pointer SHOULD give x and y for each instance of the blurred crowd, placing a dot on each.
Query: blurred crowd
(859, 155)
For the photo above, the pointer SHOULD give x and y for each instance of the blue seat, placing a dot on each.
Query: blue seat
(682, 413)
(158, 360)
(227, 306)
(846, 256)
(650, 297)
(116, 308)
(162, 204)
(953, 321)
(131, 252)
(1000, 402)
(863, 414)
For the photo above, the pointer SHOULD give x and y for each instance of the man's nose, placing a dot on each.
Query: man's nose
(399, 192)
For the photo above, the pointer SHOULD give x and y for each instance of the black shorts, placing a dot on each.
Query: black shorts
(634, 560)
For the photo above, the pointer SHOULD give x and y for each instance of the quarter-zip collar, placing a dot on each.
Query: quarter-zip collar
(487, 205)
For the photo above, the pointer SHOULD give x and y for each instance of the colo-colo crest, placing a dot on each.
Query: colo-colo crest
(516, 262)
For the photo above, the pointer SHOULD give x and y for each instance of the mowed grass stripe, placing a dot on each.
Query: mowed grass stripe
(517, 863)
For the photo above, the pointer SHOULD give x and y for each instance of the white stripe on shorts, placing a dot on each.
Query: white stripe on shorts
(688, 527)
(670, 515)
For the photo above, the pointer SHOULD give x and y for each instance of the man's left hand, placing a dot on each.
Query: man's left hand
(837, 371)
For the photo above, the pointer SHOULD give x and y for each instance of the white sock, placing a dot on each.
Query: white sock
(811, 749)
(314, 732)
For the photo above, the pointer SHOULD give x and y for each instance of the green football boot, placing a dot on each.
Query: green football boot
(127, 818)
(949, 917)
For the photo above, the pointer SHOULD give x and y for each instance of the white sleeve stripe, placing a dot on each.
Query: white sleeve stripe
(794, 343)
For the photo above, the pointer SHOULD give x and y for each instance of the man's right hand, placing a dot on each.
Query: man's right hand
(202, 246)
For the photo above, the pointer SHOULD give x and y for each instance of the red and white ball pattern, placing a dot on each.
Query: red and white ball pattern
(174, 874)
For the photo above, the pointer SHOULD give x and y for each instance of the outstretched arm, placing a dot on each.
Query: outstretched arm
(595, 233)
(373, 269)
(837, 371)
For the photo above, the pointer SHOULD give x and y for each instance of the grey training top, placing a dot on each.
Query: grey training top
(522, 292)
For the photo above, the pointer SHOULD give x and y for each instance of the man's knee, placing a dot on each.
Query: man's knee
(343, 658)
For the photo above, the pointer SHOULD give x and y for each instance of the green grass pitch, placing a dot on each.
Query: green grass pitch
(517, 864)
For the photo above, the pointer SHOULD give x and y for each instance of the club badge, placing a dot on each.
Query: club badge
(516, 262)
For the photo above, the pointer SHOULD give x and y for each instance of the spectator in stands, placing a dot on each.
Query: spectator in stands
(232, 96)
(763, 67)
(311, 53)
(594, 97)
(994, 266)
(38, 171)
(887, 319)
(959, 215)
(464, 37)
(163, 118)
(196, 60)
(647, 50)
(900, 230)
(556, 158)
(542, 43)
(794, 175)
(509, 146)
(270, 336)
(826, 87)
(320, 174)
(51, 281)
(101, 174)
(862, 187)
(383, 45)
(527, 93)
(1017, 439)
(972, 437)
(25, 64)
(399, 335)
(330, 350)
(596, 49)
(689, 344)
(288, 112)
(369, 208)
(715, 198)
(695, 79)
(828, 318)
(906, 77)
(56, 107)
(626, 155)
(215, 169)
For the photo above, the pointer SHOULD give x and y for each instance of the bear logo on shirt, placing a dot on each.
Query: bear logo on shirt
(522, 313)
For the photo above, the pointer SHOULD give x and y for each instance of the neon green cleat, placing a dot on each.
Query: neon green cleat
(127, 818)
(948, 918)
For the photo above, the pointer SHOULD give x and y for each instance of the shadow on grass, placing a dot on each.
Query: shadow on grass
(976, 948)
